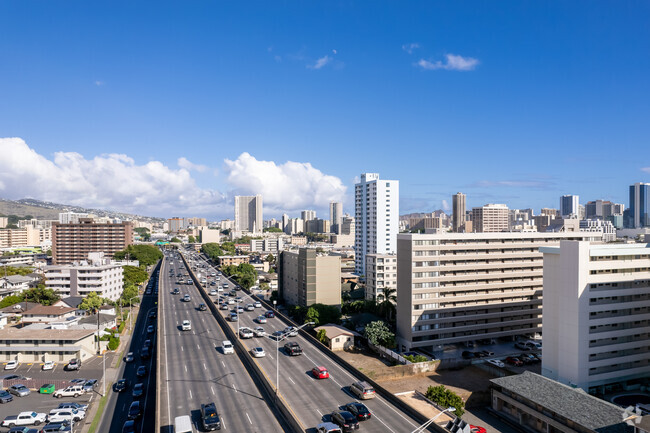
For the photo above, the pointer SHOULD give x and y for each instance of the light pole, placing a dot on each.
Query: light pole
(278, 338)
(426, 424)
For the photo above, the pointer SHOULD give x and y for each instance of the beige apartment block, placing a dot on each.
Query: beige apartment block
(381, 273)
(80, 280)
(28, 236)
(458, 287)
(72, 242)
(491, 218)
(306, 278)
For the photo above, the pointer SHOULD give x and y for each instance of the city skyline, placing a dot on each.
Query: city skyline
(192, 108)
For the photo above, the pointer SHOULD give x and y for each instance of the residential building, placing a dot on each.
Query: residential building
(596, 314)
(210, 236)
(348, 226)
(298, 240)
(542, 222)
(459, 287)
(296, 225)
(381, 274)
(427, 222)
(376, 218)
(458, 212)
(175, 224)
(317, 225)
(233, 260)
(639, 205)
(553, 213)
(81, 279)
(569, 206)
(72, 217)
(336, 216)
(271, 245)
(47, 314)
(306, 277)
(196, 222)
(39, 345)
(599, 226)
(4, 221)
(490, 218)
(338, 337)
(12, 238)
(539, 404)
(248, 213)
(308, 215)
(72, 242)
(13, 285)
(227, 224)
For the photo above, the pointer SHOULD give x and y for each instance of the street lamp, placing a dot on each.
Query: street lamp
(279, 338)
(426, 424)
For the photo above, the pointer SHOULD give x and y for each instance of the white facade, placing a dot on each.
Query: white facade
(490, 218)
(248, 213)
(271, 245)
(71, 217)
(596, 313)
(308, 215)
(376, 218)
(71, 280)
(570, 206)
(381, 273)
(599, 226)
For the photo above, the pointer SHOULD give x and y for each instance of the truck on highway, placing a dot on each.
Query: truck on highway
(293, 349)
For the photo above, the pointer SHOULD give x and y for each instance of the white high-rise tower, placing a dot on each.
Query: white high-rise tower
(336, 216)
(248, 213)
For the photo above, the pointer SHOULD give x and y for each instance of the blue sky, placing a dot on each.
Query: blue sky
(172, 108)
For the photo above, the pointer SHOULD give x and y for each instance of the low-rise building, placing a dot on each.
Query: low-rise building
(338, 337)
(13, 285)
(267, 245)
(34, 345)
(79, 280)
(233, 260)
(306, 277)
(47, 314)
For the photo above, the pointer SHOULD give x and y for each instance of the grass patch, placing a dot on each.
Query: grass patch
(100, 411)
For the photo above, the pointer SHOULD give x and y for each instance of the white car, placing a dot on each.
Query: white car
(496, 363)
(245, 333)
(291, 331)
(187, 326)
(48, 365)
(213, 292)
(65, 415)
(11, 365)
(231, 301)
(259, 332)
(260, 319)
(258, 304)
(227, 347)
(249, 307)
(258, 352)
(70, 391)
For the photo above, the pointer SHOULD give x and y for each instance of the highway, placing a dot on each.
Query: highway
(194, 371)
(311, 399)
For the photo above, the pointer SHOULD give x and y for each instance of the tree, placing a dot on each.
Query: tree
(175, 240)
(321, 335)
(191, 239)
(129, 295)
(91, 302)
(134, 276)
(274, 296)
(273, 230)
(446, 398)
(377, 333)
(10, 300)
(270, 258)
(386, 302)
(41, 295)
(322, 314)
(147, 255)
(10, 270)
(143, 232)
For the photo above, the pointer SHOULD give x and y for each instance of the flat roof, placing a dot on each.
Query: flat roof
(44, 310)
(44, 334)
(571, 403)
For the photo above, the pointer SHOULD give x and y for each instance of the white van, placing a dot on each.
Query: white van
(183, 424)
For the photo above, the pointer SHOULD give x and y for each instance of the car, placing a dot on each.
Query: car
(269, 314)
(19, 390)
(186, 298)
(142, 371)
(147, 343)
(258, 352)
(90, 385)
(257, 304)
(363, 390)
(259, 332)
(522, 345)
(223, 306)
(513, 361)
(138, 390)
(213, 292)
(212, 283)
(69, 391)
(249, 307)
(148, 292)
(48, 365)
(78, 381)
(527, 358)
(176, 291)
(23, 430)
(48, 388)
(359, 410)
(479, 354)
(227, 347)
(202, 307)
(150, 329)
(11, 365)
(293, 349)
(73, 364)
(233, 317)
(260, 319)
(345, 420)
(129, 426)
(245, 333)
(5, 397)
(121, 385)
(24, 418)
(129, 357)
(186, 326)
(239, 309)
(152, 314)
(467, 354)
(66, 415)
(291, 331)
(134, 410)
(231, 301)
(496, 363)
(53, 427)
(320, 372)
(327, 427)
(487, 353)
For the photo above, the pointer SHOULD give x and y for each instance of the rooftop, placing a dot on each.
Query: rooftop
(44, 334)
(334, 331)
(45, 310)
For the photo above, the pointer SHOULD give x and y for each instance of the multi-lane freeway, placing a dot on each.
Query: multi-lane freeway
(311, 399)
(194, 371)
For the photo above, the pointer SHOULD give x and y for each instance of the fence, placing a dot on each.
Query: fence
(389, 354)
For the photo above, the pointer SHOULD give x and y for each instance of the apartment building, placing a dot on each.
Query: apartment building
(308, 215)
(490, 218)
(233, 260)
(175, 224)
(306, 278)
(336, 216)
(596, 314)
(599, 226)
(79, 280)
(376, 217)
(458, 287)
(248, 213)
(381, 273)
(12, 238)
(458, 212)
(317, 225)
(4, 221)
(72, 242)
(271, 245)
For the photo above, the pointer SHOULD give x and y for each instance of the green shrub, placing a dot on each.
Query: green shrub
(445, 398)
(113, 343)
(120, 328)
(416, 358)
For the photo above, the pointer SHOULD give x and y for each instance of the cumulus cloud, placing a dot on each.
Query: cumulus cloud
(288, 186)
(109, 181)
(409, 48)
(445, 206)
(321, 62)
(453, 63)
(188, 165)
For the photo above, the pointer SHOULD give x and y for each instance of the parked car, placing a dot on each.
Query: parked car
(513, 361)
(74, 364)
(496, 363)
(5, 397)
(73, 405)
(55, 427)
(66, 415)
(70, 391)
(48, 365)
(24, 418)
(23, 430)
(11, 365)
(522, 345)
(467, 354)
(90, 385)
(19, 390)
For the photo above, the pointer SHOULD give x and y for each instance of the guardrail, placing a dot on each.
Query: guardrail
(283, 412)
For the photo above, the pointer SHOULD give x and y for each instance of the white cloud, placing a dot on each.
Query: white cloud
(188, 165)
(453, 63)
(445, 206)
(110, 181)
(646, 169)
(320, 62)
(289, 186)
(99, 83)
(334, 51)
(409, 48)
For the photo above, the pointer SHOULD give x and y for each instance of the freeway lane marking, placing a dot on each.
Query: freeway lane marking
(234, 387)
(182, 350)
(204, 367)
(185, 368)
(291, 380)
(190, 393)
(249, 418)
(224, 365)
(212, 389)
(197, 345)
(320, 413)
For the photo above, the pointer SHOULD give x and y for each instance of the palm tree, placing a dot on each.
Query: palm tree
(387, 300)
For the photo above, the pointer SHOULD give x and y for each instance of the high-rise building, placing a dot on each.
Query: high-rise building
(570, 206)
(639, 205)
(459, 287)
(71, 217)
(596, 310)
(248, 213)
(376, 211)
(381, 274)
(4, 221)
(72, 242)
(306, 278)
(308, 215)
(347, 226)
(336, 216)
(490, 218)
(553, 213)
(196, 222)
(458, 212)
(175, 224)
(317, 225)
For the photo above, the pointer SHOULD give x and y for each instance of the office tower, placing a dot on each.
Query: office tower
(317, 225)
(306, 278)
(347, 226)
(248, 213)
(596, 314)
(640, 205)
(570, 206)
(458, 209)
(72, 242)
(336, 216)
(376, 218)
(490, 218)
(459, 287)
(308, 215)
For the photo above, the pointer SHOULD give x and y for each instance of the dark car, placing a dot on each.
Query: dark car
(138, 390)
(150, 329)
(467, 354)
(359, 410)
(22, 430)
(345, 420)
(210, 417)
(134, 410)
(144, 352)
(202, 307)
(129, 427)
(176, 291)
(120, 385)
(152, 314)
(293, 349)
(142, 371)
(56, 427)
(5, 397)
(269, 314)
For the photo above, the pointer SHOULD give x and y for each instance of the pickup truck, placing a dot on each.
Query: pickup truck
(24, 418)
(293, 349)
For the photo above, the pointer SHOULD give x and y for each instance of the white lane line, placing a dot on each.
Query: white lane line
(185, 368)
(223, 423)
(190, 393)
(234, 387)
(212, 389)
(249, 418)
(224, 365)
(291, 380)
(379, 419)
(204, 367)
(320, 413)
(182, 350)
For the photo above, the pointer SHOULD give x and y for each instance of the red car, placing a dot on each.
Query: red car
(320, 373)
(514, 361)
